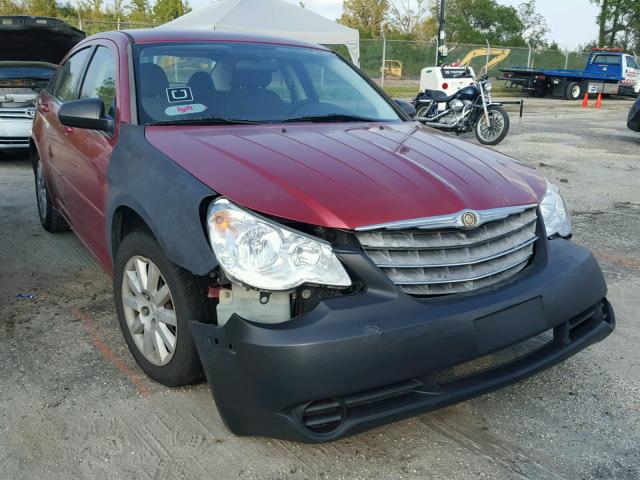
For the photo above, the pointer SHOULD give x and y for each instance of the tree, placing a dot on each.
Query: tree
(618, 23)
(476, 21)
(167, 10)
(11, 7)
(367, 16)
(44, 8)
(535, 26)
(139, 11)
(406, 16)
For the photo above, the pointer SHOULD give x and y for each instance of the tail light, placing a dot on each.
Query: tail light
(445, 85)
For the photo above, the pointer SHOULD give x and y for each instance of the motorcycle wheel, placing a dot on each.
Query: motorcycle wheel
(498, 127)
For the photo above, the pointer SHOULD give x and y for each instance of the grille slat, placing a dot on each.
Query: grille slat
(428, 262)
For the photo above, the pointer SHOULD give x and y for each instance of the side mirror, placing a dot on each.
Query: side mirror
(85, 113)
(406, 107)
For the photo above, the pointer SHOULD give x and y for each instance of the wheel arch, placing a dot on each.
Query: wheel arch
(124, 221)
(147, 187)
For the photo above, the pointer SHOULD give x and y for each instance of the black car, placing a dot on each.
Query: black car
(633, 122)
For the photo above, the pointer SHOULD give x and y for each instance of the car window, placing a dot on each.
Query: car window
(336, 87)
(100, 79)
(9, 72)
(179, 69)
(608, 59)
(66, 83)
(251, 82)
(631, 63)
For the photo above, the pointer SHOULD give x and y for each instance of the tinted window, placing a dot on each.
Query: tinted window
(256, 82)
(30, 72)
(631, 63)
(179, 69)
(69, 75)
(608, 59)
(100, 80)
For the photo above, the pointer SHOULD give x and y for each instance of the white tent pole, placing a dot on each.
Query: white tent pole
(384, 56)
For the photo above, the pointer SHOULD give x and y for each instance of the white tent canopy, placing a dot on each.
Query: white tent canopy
(270, 17)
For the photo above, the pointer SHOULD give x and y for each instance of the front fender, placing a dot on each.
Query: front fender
(164, 195)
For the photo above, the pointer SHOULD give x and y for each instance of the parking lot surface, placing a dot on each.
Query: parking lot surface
(73, 403)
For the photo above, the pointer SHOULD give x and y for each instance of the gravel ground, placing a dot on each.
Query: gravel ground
(75, 405)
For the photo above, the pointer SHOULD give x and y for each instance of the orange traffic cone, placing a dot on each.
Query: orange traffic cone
(599, 101)
(585, 100)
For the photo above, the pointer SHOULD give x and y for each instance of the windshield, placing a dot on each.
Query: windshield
(14, 72)
(217, 82)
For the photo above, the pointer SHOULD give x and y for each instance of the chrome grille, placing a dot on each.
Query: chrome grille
(21, 113)
(437, 262)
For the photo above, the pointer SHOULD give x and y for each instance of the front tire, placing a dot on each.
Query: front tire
(498, 127)
(50, 219)
(155, 300)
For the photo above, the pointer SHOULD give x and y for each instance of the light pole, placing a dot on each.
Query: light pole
(442, 51)
(384, 54)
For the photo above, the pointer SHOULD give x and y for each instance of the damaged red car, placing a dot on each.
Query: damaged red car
(274, 221)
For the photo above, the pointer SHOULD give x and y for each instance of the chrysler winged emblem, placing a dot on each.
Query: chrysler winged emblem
(469, 219)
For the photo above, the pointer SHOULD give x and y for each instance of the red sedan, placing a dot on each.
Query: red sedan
(273, 220)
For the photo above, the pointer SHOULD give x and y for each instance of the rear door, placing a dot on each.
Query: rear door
(88, 152)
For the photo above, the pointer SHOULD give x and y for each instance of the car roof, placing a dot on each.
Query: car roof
(162, 35)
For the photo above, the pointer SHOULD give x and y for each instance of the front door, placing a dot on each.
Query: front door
(88, 153)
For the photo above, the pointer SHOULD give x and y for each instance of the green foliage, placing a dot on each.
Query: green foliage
(619, 23)
(167, 10)
(476, 21)
(535, 26)
(44, 8)
(367, 16)
(12, 7)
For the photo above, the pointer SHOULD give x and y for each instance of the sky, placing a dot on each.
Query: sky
(572, 22)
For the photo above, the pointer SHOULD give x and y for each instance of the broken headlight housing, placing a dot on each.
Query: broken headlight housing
(555, 213)
(262, 254)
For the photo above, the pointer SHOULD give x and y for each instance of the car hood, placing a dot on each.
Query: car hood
(36, 39)
(348, 175)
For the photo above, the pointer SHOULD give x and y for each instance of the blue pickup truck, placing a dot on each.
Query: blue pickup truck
(608, 71)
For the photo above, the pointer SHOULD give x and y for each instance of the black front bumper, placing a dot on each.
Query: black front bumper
(356, 362)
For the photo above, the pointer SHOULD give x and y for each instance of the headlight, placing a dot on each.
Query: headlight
(488, 86)
(554, 213)
(265, 255)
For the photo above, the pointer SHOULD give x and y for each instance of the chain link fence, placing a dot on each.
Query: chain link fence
(96, 26)
(414, 56)
(408, 58)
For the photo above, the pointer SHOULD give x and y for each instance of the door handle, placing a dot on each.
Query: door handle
(68, 130)
(43, 107)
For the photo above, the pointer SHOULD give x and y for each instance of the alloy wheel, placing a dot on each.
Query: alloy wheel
(149, 310)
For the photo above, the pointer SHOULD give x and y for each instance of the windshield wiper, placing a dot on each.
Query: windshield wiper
(207, 121)
(332, 117)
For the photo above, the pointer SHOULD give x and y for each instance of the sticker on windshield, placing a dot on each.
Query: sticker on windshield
(184, 109)
(179, 94)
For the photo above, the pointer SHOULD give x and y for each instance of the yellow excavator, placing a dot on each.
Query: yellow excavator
(500, 55)
(393, 68)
